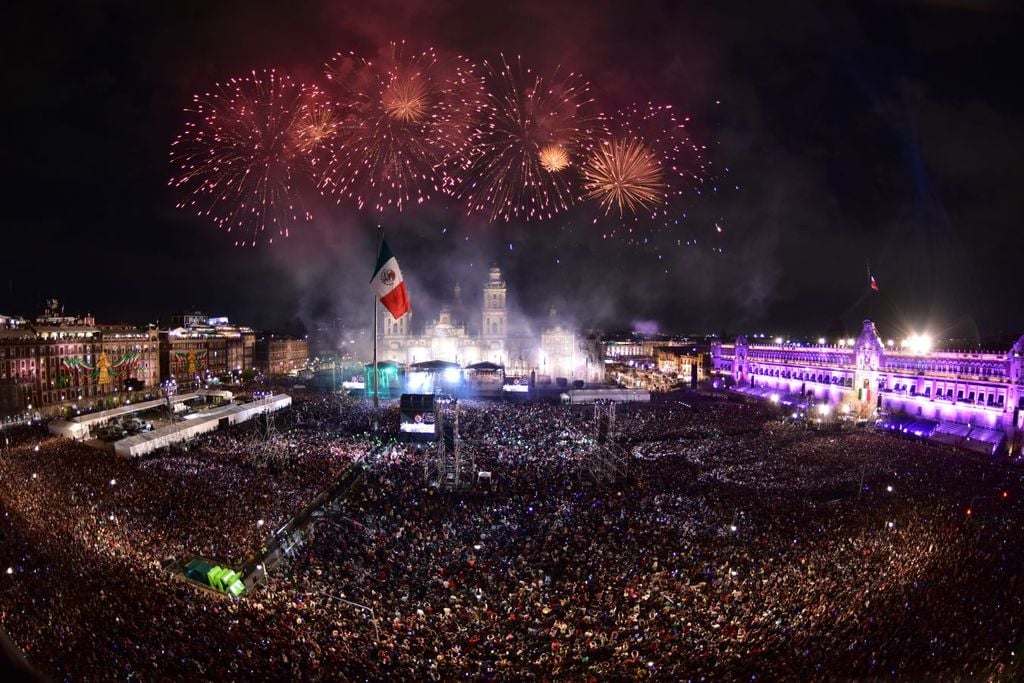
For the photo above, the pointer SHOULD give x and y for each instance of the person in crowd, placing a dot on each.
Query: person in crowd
(739, 547)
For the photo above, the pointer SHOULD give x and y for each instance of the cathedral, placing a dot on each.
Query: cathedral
(452, 338)
(457, 336)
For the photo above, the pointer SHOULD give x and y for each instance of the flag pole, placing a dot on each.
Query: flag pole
(871, 299)
(376, 383)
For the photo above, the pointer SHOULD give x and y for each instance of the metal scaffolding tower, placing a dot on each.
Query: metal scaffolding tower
(607, 462)
(450, 469)
(266, 446)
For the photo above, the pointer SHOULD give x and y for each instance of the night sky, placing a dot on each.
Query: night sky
(889, 132)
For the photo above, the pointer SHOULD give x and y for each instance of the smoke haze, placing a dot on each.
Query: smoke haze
(837, 135)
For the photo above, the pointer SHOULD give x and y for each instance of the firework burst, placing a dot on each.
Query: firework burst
(243, 152)
(315, 127)
(402, 118)
(554, 158)
(407, 99)
(624, 174)
(651, 159)
(529, 132)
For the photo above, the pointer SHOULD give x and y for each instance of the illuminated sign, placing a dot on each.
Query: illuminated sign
(519, 385)
(420, 423)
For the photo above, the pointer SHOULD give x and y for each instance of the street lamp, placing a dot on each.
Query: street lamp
(970, 506)
(169, 389)
(919, 344)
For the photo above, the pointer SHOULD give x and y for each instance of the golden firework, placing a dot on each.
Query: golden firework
(315, 126)
(626, 174)
(405, 99)
(554, 158)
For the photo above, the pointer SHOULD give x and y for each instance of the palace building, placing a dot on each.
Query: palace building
(281, 355)
(58, 361)
(969, 395)
(202, 348)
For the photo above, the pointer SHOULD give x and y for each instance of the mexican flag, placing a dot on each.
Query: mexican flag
(387, 283)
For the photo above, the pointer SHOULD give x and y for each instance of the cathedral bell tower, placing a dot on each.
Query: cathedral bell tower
(392, 327)
(495, 314)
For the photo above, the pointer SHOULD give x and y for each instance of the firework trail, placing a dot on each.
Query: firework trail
(402, 118)
(528, 141)
(650, 160)
(244, 149)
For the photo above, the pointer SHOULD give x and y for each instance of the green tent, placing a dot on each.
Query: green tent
(236, 588)
(223, 579)
(197, 570)
(217, 577)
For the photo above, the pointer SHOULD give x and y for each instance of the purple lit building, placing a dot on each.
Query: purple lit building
(969, 395)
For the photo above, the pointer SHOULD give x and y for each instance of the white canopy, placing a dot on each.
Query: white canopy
(147, 442)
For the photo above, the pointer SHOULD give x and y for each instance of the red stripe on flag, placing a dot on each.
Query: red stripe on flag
(396, 301)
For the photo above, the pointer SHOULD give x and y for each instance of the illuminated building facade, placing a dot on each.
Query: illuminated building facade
(450, 339)
(454, 338)
(281, 355)
(62, 361)
(638, 350)
(977, 389)
(619, 350)
(656, 364)
(565, 353)
(130, 353)
(681, 362)
(216, 348)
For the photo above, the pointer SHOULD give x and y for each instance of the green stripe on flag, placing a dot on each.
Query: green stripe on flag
(384, 257)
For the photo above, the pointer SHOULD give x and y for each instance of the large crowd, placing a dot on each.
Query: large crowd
(738, 547)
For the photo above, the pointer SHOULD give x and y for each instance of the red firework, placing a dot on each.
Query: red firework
(402, 118)
(530, 138)
(248, 144)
